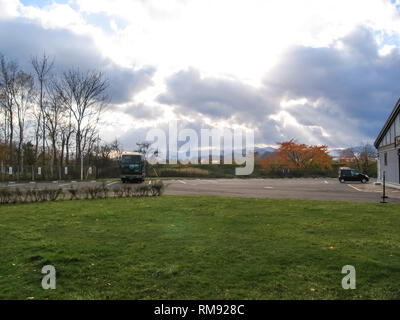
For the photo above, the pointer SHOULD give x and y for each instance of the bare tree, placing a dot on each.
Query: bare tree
(69, 131)
(54, 113)
(84, 94)
(66, 132)
(22, 93)
(116, 149)
(360, 157)
(64, 111)
(8, 72)
(42, 67)
(144, 148)
(37, 119)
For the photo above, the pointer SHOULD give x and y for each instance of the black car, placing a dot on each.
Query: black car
(348, 174)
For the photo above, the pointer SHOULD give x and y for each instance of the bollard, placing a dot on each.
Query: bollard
(384, 196)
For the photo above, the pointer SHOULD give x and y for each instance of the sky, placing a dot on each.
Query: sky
(321, 72)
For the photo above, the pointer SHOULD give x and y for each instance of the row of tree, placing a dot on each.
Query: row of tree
(297, 156)
(50, 117)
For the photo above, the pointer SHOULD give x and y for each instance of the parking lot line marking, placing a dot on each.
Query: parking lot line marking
(181, 181)
(326, 182)
(110, 184)
(354, 188)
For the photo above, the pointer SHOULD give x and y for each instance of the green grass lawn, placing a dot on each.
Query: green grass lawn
(188, 247)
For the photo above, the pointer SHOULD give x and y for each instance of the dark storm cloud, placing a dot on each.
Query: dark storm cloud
(125, 83)
(142, 111)
(20, 40)
(354, 82)
(216, 98)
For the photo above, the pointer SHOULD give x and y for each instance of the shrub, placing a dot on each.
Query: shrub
(73, 192)
(5, 195)
(127, 191)
(27, 197)
(142, 190)
(16, 196)
(39, 195)
(154, 189)
(54, 194)
(105, 190)
(94, 192)
(43, 195)
(157, 188)
(118, 192)
(86, 193)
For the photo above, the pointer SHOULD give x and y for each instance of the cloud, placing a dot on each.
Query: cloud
(141, 111)
(126, 83)
(213, 97)
(349, 84)
(22, 39)
(325, 73)
(338, 95)
(9, 9)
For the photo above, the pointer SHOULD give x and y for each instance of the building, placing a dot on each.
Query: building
(388, 145)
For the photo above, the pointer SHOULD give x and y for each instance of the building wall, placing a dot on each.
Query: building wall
(393, 132)
(388, 146)
(392, 167)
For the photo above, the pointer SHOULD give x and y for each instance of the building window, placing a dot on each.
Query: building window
(385, 158)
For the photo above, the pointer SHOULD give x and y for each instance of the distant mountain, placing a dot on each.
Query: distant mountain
(264, 152)
(335, 153)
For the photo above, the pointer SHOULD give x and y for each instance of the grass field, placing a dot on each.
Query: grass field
(176, 247)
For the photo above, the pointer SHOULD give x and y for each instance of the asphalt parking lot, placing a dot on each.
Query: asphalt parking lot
(307, 189)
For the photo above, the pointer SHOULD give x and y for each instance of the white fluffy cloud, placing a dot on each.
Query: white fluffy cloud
(231, 37)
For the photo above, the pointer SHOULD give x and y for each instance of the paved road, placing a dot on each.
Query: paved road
(308, 189)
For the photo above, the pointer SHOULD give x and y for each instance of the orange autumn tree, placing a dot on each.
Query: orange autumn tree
(292, 155)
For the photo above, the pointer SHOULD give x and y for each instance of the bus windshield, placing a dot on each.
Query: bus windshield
(131, 159)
